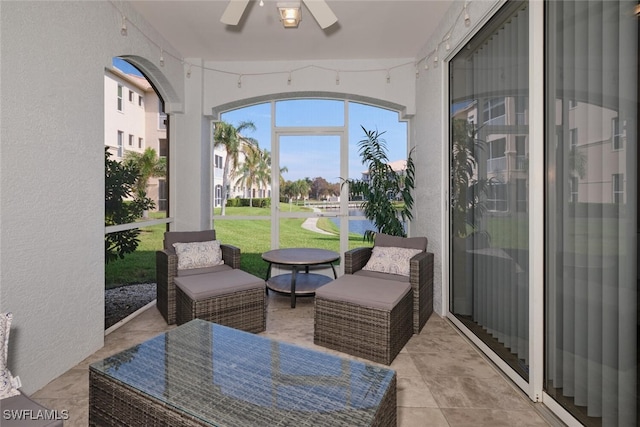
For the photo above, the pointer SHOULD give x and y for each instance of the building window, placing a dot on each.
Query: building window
(131, 96)
(217, 199)
(162, 116)
(140, 100)
(497, 197)
(494, 111)
(616, 134)
(573, 138)
(573, 188)
(496, 160)
(162, 195)
(119, 97)
(140, 143)
(522, 103)
(521, 152)
(497, 148)
(218, 162)
(120, 138)
(130, 140)
(163, 147)
(617, 181)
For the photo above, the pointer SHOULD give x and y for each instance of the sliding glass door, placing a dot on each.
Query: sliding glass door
(591, 334)
(489, 213)
(588, 255)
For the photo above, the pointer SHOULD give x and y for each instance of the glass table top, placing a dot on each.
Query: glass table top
(224, 376)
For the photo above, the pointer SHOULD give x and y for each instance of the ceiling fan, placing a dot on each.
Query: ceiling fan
(319, 9)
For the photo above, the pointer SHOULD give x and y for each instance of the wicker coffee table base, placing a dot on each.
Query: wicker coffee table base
(113, 404)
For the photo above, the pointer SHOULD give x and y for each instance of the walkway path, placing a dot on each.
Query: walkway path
(311, 224)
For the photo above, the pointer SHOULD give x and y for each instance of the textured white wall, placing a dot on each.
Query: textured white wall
(52, 176)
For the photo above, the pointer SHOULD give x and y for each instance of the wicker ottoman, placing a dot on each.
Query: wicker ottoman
(232, 298)
(365, 317)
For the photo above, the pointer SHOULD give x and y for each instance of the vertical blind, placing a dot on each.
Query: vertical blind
(591, 212)
(489, 94)
(501, 285)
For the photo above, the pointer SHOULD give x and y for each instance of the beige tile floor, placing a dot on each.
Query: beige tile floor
(442, 379)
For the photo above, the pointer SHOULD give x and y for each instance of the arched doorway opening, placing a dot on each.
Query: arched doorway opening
(136, 135)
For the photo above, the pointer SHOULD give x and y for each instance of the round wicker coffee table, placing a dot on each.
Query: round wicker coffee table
(294, 284)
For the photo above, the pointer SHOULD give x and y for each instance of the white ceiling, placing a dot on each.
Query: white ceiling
(366, 29)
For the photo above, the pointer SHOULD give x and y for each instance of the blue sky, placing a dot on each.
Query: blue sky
(316, 156)
(126, 67)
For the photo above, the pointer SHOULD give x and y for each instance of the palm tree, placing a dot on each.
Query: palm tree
(467, 190)
(296, 189)
(289, 190)
(281, 179)
(247, 171)
(383, 187)
(149, 165)
(263, 173)
(228, 136)
(304, 187)
(256, 169)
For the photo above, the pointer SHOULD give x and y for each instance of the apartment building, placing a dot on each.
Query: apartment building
(235, 188)
(134, 120)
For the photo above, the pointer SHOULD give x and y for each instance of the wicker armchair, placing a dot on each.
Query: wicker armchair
(167, 266)
(371, 314)
(421, 279)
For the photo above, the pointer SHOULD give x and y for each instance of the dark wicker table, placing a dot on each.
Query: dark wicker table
(205, 374)
(295, 284)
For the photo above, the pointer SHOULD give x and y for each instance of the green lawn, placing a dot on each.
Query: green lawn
(140, 266)
(251, 236)
(508, 232)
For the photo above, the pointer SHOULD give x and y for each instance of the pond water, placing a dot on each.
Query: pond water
(358, 226)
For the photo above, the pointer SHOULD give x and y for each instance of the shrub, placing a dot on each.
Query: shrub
(122, 205)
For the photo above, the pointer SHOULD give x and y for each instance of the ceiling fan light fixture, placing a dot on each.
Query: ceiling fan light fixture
(290, 14)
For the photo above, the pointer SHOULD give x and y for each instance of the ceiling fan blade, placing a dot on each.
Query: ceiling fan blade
(234, 11)
(321, 12)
